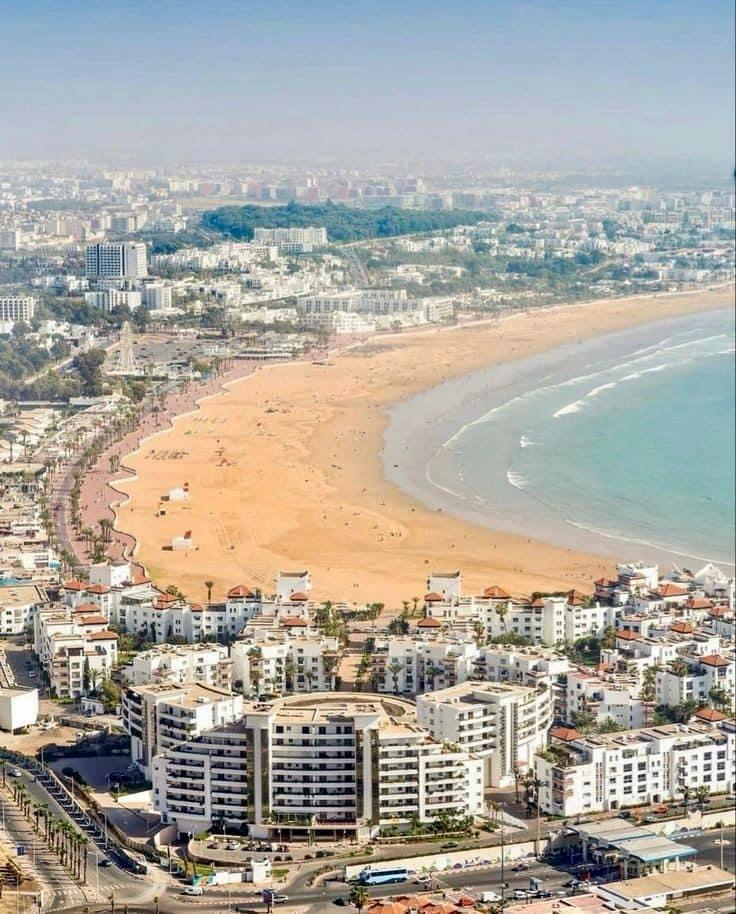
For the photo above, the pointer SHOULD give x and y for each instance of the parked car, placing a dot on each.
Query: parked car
(571, 883)
(193, 890)
(278, 898)
(232, 846)
(15, 773)
(521, 894)
(105, 862)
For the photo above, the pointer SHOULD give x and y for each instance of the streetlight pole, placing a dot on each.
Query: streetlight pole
(503, 858)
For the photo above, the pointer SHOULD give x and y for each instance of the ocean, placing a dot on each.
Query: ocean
(621, 445)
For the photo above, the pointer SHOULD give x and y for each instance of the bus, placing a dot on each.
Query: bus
(383, 877)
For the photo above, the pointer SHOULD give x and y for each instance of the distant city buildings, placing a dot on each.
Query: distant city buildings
(16, 309)
(116, 261)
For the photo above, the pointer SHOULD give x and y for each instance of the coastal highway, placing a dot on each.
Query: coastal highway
(320, 899)
(102, 881)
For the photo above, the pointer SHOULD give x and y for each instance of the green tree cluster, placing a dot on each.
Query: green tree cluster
(343, 223)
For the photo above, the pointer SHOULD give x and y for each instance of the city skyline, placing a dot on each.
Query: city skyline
(477, 81)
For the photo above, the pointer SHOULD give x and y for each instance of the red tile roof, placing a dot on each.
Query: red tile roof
(575, 598)
(240, 591)
(714, 660)
(103, 636)
(74, 585)
(92, 620)
(429, 623)
(710, 714)
(698, 603)
(294, 622)
(626, 635)
(432, 597)
(496, 593)
(671, 590)
(566, 734)
(298, 597)
(682, 628)
(719, 611)
(86, 608)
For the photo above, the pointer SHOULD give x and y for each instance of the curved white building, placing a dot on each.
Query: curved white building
(326, 763)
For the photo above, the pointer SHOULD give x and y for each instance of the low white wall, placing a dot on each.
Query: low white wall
(447, 860)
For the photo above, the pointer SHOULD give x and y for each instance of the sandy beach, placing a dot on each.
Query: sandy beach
(284, 470)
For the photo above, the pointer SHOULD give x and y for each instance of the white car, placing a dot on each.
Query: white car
(193, 890)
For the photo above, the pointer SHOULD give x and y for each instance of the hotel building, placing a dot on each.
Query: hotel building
(587, 774)
(502, 724)
(158, 717)
(335, 765)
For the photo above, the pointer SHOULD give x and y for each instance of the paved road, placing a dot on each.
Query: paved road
(101, 880)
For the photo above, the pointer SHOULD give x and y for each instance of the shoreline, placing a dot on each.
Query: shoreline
(300, 482)
(436, 419)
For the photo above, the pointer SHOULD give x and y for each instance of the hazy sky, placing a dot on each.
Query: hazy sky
(367, 80)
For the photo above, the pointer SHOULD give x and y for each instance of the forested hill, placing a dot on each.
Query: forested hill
(343, 223)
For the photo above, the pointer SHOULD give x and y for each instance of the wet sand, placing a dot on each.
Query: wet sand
(284, 470)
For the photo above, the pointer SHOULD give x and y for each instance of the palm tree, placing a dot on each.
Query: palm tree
(209, 585)
(701, 795)
(686, 791)
(501, 611)
(432, 672)
(330, 662)
(719, 697)
(359, 896)
(394, 668)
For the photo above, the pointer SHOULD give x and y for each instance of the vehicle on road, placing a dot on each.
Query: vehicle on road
(571, 883)
(193, 890)
(449, 845)
(232, 846)
(520, 866)
(105, 862)
(15, 773)
(340, 902)
(487, 897)
(521, 894)
(383, 876)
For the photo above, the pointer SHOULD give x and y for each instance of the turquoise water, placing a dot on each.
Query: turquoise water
(630, 443)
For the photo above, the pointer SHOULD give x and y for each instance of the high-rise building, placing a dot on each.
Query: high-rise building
(116, 260)
(337, 765)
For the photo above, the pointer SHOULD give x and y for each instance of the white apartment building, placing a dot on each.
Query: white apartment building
(110, 299)
(309, 237)
(612, 698)
(208, 664)
(18, 605)
(284, 659)
(691, 678)
(10, 239)
(116, 260)
(156, 296)
(159, 717)
(75, 648)
(329, 765)
(547, 620)
(411, 665)
(501, 723)
(586, 774)
(17, 309)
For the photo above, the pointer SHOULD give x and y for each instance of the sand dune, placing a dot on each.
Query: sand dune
(284, 470)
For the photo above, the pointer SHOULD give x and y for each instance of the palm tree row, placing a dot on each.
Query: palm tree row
(70, 845)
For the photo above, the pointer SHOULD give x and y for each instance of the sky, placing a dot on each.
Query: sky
(547, 81)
